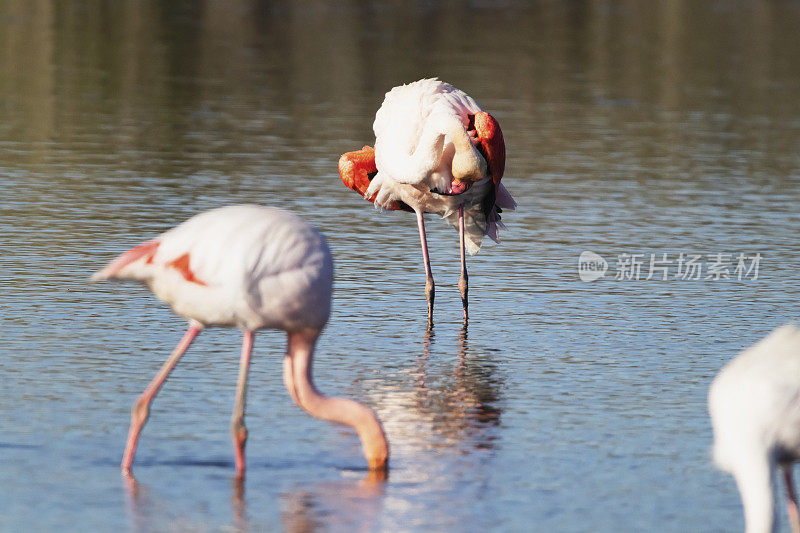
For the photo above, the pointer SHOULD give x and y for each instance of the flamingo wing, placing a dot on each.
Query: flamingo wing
(491, 143)
(357, 169)
(144, 251)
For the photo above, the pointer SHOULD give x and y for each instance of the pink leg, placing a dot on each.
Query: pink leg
(238, 430)
(288, 378)
(791, 500)
(141, 408)
(430, 290)
(463, 281)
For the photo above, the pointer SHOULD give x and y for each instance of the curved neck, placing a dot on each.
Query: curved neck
(460, 139)
(416, 166)
(754, 480)
(427, 154)
(298, 377)
(452, 127)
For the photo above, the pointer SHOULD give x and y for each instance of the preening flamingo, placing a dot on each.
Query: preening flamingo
(254, 268)
(754, 404)
(436, 152)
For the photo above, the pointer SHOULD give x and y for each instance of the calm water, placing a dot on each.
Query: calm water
(631, 128)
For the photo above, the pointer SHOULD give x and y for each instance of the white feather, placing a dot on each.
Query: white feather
(256, 267)
(754, 403)
(415, 129)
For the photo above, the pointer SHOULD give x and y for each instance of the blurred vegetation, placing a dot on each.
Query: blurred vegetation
(179, 88)
(63, 61)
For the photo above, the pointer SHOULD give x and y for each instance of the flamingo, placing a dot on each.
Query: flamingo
(254, 268)
(754, 404)
(436, 151)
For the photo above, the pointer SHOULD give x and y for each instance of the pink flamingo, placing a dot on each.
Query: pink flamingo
(255, 268)
(437, 152)
(754, 403)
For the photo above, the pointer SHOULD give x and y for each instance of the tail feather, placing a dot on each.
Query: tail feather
(504, 199)
(145, 250)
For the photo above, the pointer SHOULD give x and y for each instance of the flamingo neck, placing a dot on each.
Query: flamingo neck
(428, 153)
(460, 139)
(755, 483)
(338, 410)
(468, 164)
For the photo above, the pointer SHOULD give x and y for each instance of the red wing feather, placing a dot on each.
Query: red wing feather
(355, 169)
(181, 264)
(494, 147)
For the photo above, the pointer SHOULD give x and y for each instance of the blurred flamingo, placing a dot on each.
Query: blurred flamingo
(754, 404)
(436, 152)
(254, 268)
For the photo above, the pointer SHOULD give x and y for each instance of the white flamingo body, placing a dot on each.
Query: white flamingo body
(251, 267)
(409, 123)
(419, 129)
(754, 403)
(281, 277)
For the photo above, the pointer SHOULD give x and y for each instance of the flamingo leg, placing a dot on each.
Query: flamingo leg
(141, 408)
(430, 289)
(791, 500)
(238, 429)
(298, 378)
(288, 378)
(463, 281)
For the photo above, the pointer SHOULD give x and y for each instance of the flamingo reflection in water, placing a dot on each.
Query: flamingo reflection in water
(441, 414)
(440, 402)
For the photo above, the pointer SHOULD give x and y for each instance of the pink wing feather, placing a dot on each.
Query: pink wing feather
(145, 250)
